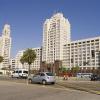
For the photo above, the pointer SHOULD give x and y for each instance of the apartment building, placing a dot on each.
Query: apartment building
(56, 33)
(84, 53)
(35, 65)
(37, 62)
(18, 64)
(12, 63)
(5, 46)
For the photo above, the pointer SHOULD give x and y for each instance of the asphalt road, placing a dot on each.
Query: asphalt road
(22, 91)
(79, 84)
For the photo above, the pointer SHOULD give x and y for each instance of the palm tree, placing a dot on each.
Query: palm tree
(1, 59)
(98, 70)
(28, 57)
(75, 70)
(22, 61)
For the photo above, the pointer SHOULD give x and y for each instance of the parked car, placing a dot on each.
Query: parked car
(42, 77)
(84, 75)
(95, 77)
(19, 73)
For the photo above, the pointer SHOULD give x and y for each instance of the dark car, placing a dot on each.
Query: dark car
(95, 77)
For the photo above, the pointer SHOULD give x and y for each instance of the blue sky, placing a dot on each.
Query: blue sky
(26, 18)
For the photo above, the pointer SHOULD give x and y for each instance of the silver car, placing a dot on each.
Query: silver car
(42, 77)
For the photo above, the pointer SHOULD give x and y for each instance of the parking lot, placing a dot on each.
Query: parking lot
(20, 91)
(83, 84)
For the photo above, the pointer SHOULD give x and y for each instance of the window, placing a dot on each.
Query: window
(93, 53)
(25, 72)
(16, 72)
(20, 71)
(49, 74)
(71, 60)
(42, 74)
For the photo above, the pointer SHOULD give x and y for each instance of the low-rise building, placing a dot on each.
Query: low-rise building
(35, 65)
(84, 53)
(12, 63)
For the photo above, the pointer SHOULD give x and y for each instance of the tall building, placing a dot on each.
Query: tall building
(5, 46)
(58, 49)
(56, 33)
(35, 65)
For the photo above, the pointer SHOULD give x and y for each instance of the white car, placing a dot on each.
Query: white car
(19, 73)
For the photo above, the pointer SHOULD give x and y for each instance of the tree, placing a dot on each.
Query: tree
(98, 70)
(28, 57)
(43, 66)
(22, 61)
(63, 70)
(1, 59)
(75, 69)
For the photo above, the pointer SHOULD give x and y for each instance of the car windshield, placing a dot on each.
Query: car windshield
(50, 74)
(25, 72)
(20, 71)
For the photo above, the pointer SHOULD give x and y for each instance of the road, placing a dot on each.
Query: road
(22, 91)
(77, 84)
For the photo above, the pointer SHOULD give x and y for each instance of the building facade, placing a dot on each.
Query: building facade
(59, 51)
(35, 65)
(12, 63)
(18, 64)
(56, 33)
(84, 53)
(5, 46)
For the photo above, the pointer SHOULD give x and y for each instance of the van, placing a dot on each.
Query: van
(84, 75)
(19, 73)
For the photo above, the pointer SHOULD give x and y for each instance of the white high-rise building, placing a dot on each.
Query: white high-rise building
(35, 65)
(5, 46)
(56, 33)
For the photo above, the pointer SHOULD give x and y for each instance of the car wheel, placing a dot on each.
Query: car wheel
(44, 82)
(11, 76)
(30, 81)
(20, 77)
(53, 82)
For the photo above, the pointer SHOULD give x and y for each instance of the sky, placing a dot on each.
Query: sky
(26, 18)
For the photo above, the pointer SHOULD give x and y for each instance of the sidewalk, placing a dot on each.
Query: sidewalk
(80, 84)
